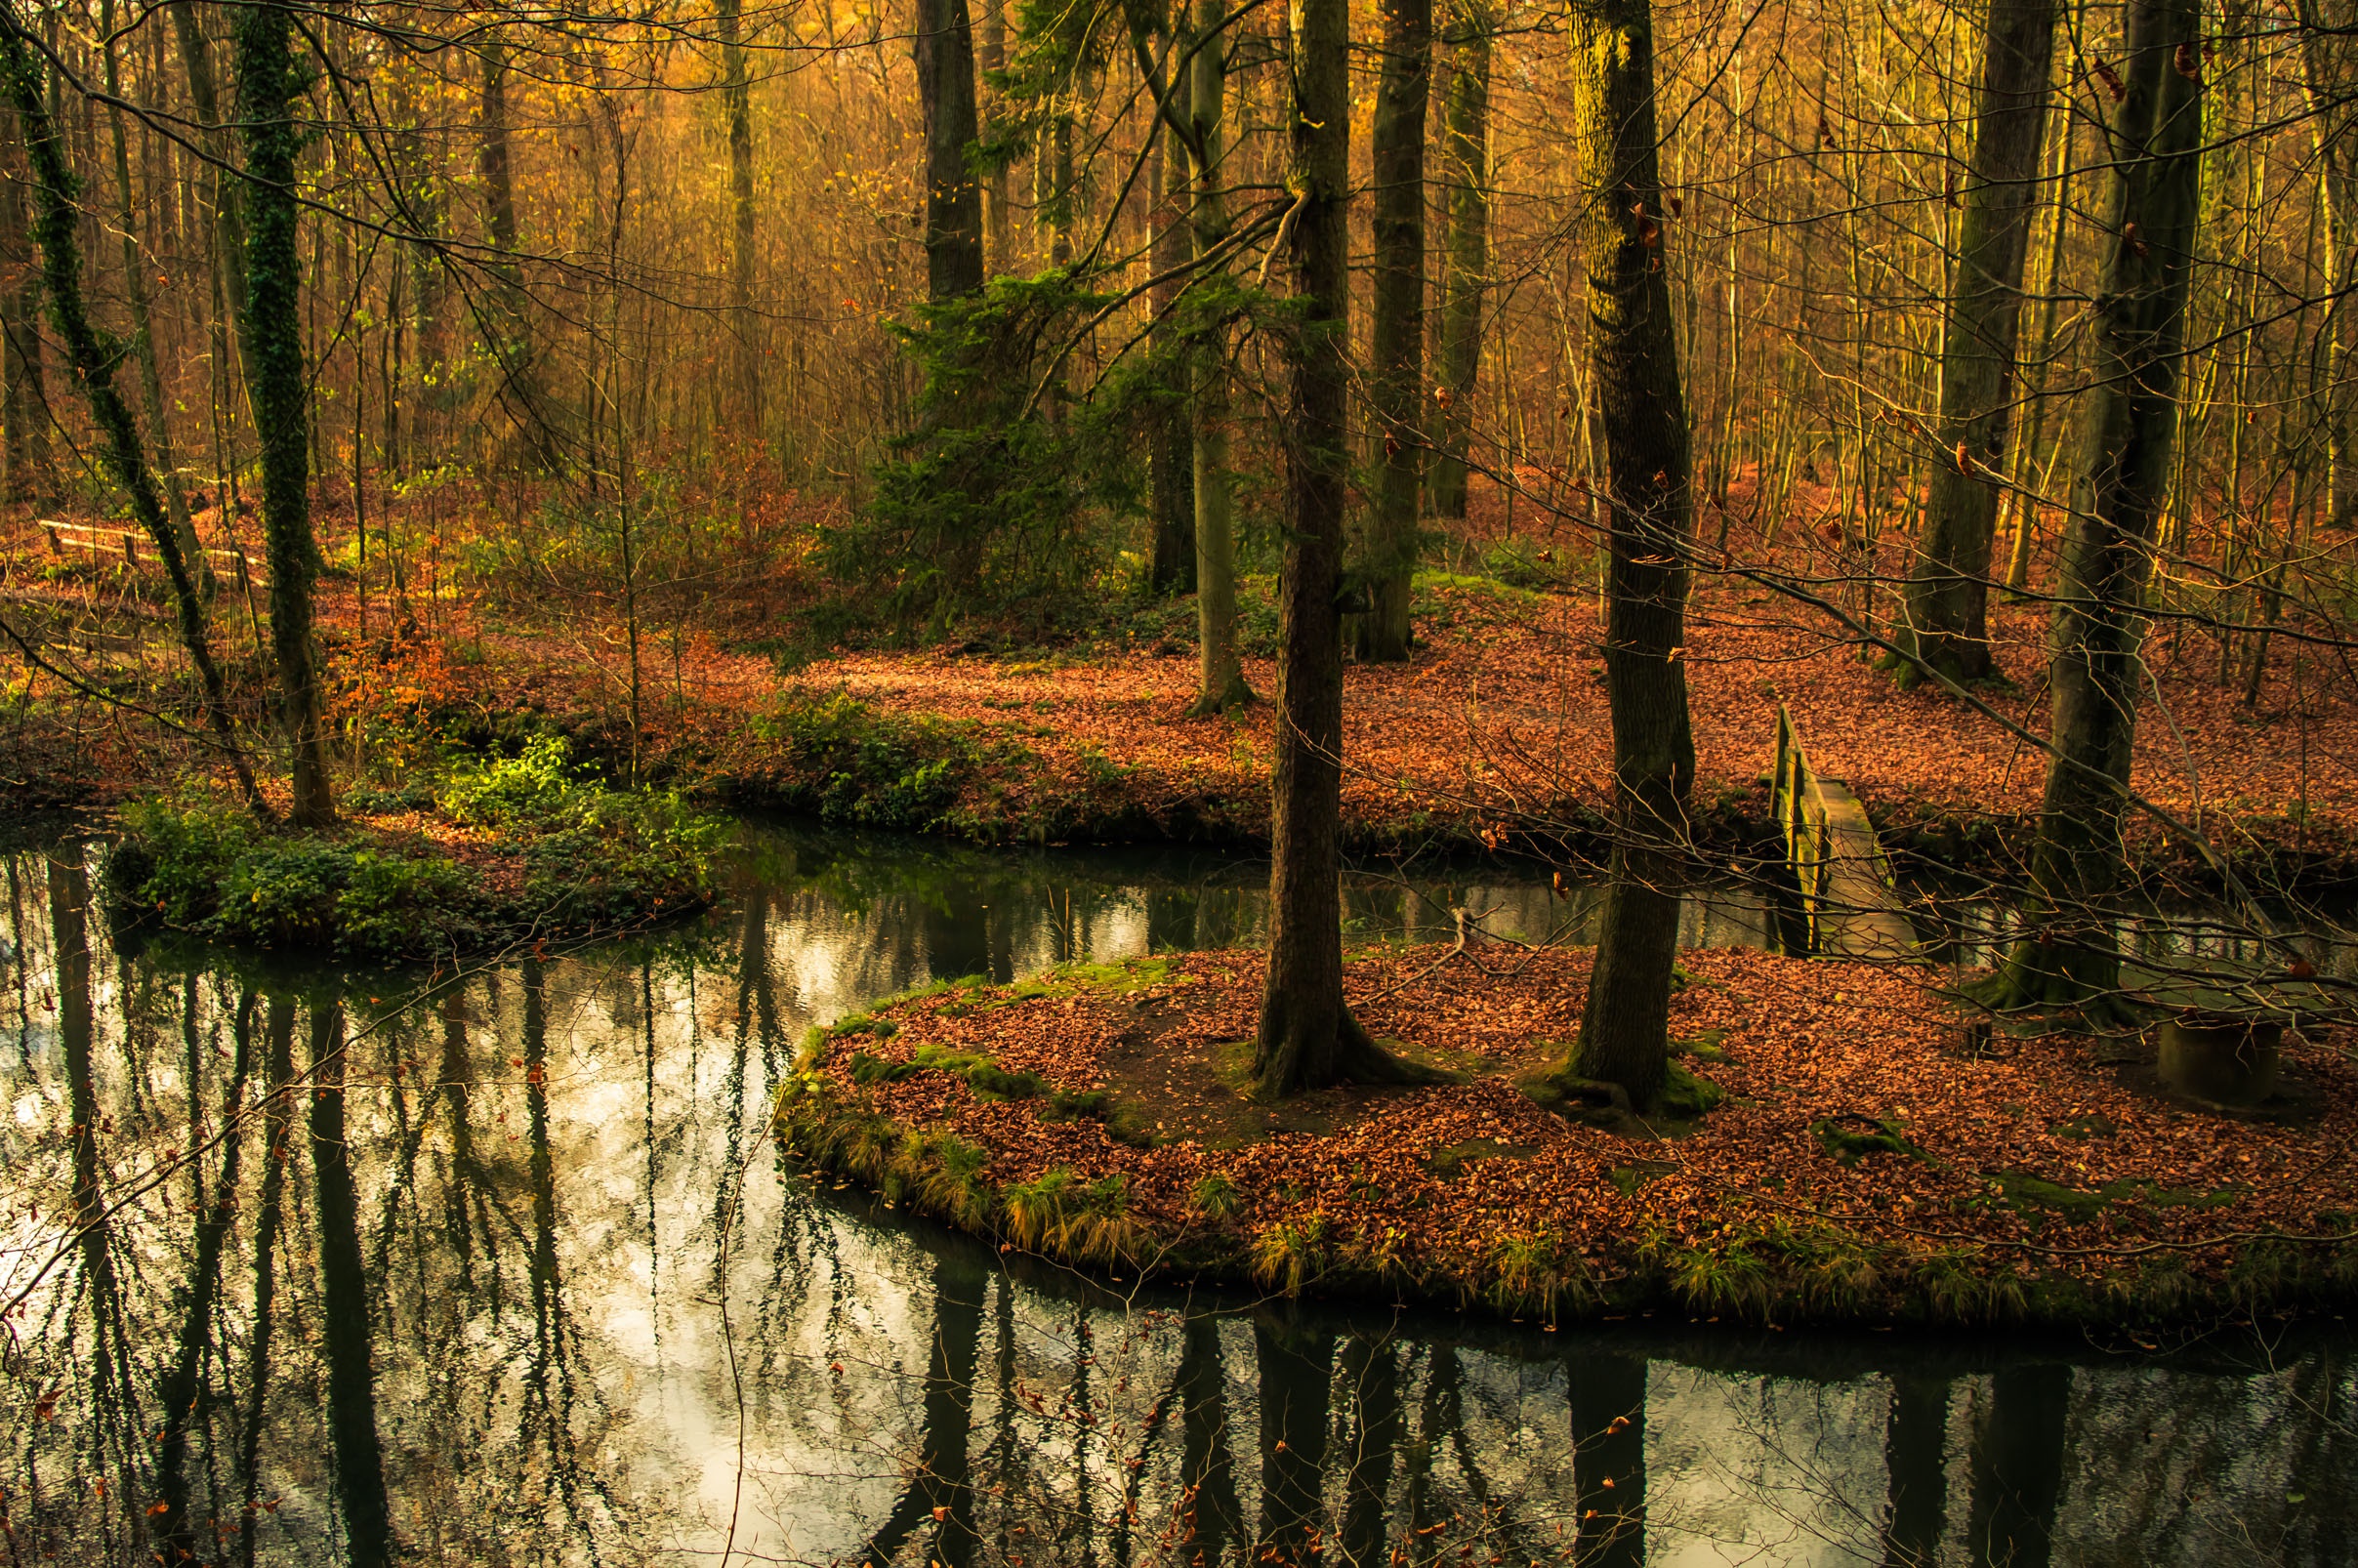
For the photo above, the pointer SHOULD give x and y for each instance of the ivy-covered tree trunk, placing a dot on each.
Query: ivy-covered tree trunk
(2069, 957)
(945, 84)
(1466, 260)
(1307, 1037)
(1221, 680)
(1172, 566)
(1396, 378)
(93, 358)
(270, 84)
(1947, 625)
(1633, 364)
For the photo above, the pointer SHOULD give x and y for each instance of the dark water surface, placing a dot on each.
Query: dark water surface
(514, 1275)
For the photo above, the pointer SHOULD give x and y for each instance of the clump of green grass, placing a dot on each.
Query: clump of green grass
(1216, 1197)
(1288, 1254)
(1089, 1223)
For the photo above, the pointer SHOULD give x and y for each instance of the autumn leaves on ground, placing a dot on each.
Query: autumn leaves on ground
(1863, 1153)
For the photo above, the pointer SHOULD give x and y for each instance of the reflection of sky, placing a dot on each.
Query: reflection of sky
(618, 1404)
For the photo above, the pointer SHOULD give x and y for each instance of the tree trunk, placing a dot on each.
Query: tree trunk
(270, 83)
(2069, 958)
(1947, 626)
(1465, 264)
(1397, 379)
(1172, 567)
(514, 350)
(142, 328)
(228, 214)
(1307, 1038)
(736, 102)
(1221, 681)
(991, 57)
(93, 359)
(1634, 366)
(2325, 44)
(26, 409)
(945, 81)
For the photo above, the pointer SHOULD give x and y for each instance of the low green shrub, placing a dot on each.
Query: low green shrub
(589, 857)
(855, 765)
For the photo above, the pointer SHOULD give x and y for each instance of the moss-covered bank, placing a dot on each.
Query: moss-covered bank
(1865, 1165)
(471, 854)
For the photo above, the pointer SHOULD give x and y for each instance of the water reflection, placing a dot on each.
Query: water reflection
(500, 1267)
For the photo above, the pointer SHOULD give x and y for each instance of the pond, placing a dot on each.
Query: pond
(513, 1274)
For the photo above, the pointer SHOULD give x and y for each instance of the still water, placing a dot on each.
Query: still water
(510, 1272)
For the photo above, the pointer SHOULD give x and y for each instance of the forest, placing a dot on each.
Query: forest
(1647, 672)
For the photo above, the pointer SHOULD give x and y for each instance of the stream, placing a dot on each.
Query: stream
(517, 1276)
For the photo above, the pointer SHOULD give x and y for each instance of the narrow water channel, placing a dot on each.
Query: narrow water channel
(517, 1276)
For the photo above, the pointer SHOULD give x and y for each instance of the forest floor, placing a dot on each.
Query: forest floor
(1497, 728)
(1869, 1162)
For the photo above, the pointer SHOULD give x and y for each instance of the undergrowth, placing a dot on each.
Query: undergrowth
(548, 853)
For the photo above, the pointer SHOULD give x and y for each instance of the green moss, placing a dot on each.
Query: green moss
(2038, 1197)
(1852, 1138)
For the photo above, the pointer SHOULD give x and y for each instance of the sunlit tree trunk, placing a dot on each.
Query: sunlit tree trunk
(945, 82)
(1172, 567)
(2069, 955)
(1947, 626)
(1633, 364)
(511, 322)
(26, 395)
(736, 107)
(2327, 30)
(1396, 378)
(1466, 258)
(1221, 681)
(270, 83)
(991, 56)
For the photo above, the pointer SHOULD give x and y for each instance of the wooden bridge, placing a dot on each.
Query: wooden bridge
(136, 550)
(1848, 895)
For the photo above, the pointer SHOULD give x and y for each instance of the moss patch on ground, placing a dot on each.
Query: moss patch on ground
(472, 855)
(1861, 1164)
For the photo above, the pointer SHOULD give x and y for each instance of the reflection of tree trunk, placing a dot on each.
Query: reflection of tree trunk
(1915, 1453)
(111, 1390)
(2016, 1466)
(1371, 1372)
(175, 1526)
(1207, 1467)
(345, 1322)
(279, 1034)
(1295, 1367)
(942, 1489)
(1608, 1458)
